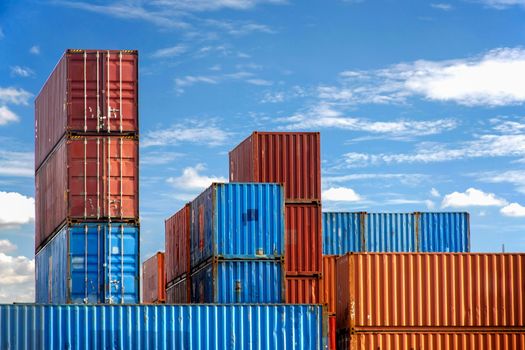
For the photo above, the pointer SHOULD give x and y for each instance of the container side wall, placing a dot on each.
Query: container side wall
(443, 232)
(342, 233)
(329, 282)
(202, 227)
(242, 161)
(303, 290)
(179, 293)
(153, 285)
(332, 333)
(51, 271)
(390, 232)
(177, 241)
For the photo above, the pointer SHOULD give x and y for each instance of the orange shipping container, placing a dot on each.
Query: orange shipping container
(432, 341)
(329, 282)
(332, 343)
(303, 290)
(154, 279)
(177, 244)
(377, 290)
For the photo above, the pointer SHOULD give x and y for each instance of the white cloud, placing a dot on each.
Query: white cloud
(191, 182)
(259, 82)
(341, 194)
(502, 4)
(35, 50)
(248, 77)
(514, 210)
(14, 96)
(515, 177)
(158, 158)
(506, 126)
(16, 163)
(6, 246)
(7, 116)
(407, 179)
(16, 209)
(442, 6)
(205, 133)
(169, 51)
(435, 193)
(21, 71)
(471, 197)
(17, 278)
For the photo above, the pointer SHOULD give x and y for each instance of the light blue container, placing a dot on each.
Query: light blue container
(443, 232)
(238, 221)
(164, 327)
(343, 232)
(390, 232)
(239, 281)
(89, 263)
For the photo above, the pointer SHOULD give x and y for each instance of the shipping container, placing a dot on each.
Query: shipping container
(430, 290)
(329, 282)
(332, 333)
(422, 340)
(154, 279)
(89, 91)
(345, 232)
(190, 327)
(87, 178)
(177, 243)
(303, 290)
(238, 220)
(238, 281)
(303, 252)
(89, 263)
(290, 158)
(179, 292)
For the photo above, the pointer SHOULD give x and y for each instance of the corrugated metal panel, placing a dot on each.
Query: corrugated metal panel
(154, 279)
(291, 158)
(191, 327)
(430, 290)
(73, 184)
(68, 101)
(343, 232)
(303, 290)
(390, 232)
(179, 292)
(89, 263)
(303, 252)
(431, 341)
(238, 220)
(177, 241)
(238, 281)
(329, 282)
(332, 333)
(443, 232)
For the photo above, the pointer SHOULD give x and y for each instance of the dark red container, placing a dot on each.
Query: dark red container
(154, 280)
(303, 249)
(303, 290)
(177, 244)
(94, 91)
(87, 178)
(179, 292)
(291, 158)
(332, 339)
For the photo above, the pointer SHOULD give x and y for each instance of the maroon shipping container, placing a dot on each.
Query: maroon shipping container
(87, 178)
(179, 292)
(177, 241)
(93, 91)
(291, 158)
(303, 249)
(303, 290)
(154, 280)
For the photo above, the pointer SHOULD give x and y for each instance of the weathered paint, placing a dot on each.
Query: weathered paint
(430, 290)
(154, 279)
(238, 281)
(238, 220)
(332, 333)
(443, 232)
(343, 232)
(177, 243)
(304, 290)
(179, 292)
(89, 263)
(329, 282)
(164, 327)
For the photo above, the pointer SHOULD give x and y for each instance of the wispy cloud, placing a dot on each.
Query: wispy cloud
(502, 4)
(159, 157)
(442, 6)
(407, 179)
(35, 50)
(239, 28)
(21, 71)
(514, 177)
(14, 96)
(197, 132)
(16, 209)
(7, 116)
(181, 83)
(191, 182)
(2, 35)
(169, 51)
(19, 164)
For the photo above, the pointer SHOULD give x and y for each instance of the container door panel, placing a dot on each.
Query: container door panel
(86, 275)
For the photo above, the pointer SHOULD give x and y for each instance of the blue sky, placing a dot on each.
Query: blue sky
(419, 104)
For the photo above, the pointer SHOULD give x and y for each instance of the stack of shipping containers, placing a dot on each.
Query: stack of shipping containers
(291, 159)
(86, 177)
(154, 280)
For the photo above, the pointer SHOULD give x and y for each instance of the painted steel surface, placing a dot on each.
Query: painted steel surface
(191, 327)
(238, 281)
(422, 340)
(303, 290)
(238, 220)
(154, 279)
(92, 91)
(390, 232)
(332, 333)
(443, 232)
(89, 263)
(430, 290)
(303, 252)
(87, 178)
(329, 282)
(290, 158)
(343, 232)
(180, 291)
(177, 243)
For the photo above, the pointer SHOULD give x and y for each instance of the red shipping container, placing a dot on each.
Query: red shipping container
(303, 247)
(179, 292)
(93, 91)
(291, 158)
(430, 290)
(154, 280)
(332, 343)
(177, 243)
(87, 178)
(329, 282)
(303, 290)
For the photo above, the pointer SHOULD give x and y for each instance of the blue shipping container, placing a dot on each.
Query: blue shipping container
(238, 220)
(190, 327)
(239, 281)
(345, 232)
(89, 263)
